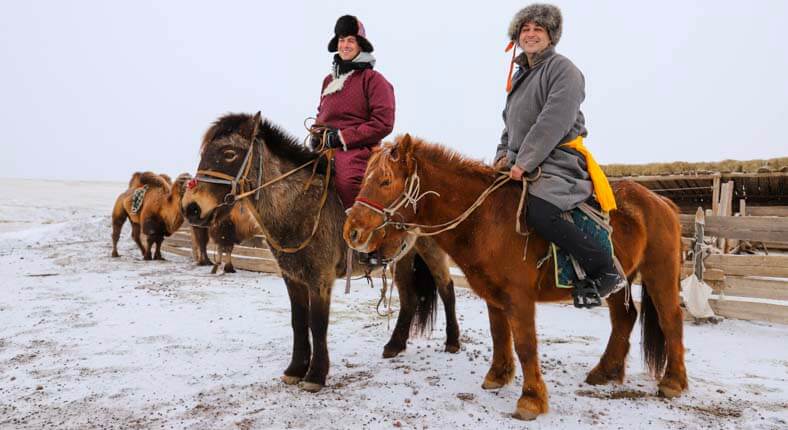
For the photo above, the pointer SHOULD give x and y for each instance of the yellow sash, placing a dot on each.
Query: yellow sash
(604, 194)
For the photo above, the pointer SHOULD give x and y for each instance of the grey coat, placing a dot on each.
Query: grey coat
(543, 111)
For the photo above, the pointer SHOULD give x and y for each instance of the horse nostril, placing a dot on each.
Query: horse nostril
(354, 235)
(193, 211)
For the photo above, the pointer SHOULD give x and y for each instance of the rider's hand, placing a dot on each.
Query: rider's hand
(333, 140)
(516, 173)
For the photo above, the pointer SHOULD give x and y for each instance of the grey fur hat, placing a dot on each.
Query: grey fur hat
(546, 15)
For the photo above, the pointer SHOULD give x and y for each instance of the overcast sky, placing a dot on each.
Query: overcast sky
(97, 90)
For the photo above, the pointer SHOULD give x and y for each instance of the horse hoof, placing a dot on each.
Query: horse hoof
(452, 349)
(392, 351)
(310, 386)
(290, 380)
(489, 384)
(669, 392)
(115, 254)
(524, 415)
(230, 270)
(600, 377)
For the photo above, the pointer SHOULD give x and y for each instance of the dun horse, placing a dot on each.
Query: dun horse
(226, 230)
(646, 237)
(153, 206)
(253, 152)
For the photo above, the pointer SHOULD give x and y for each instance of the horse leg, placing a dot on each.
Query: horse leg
(319, 304)
(299, 314)
(502, 369)
(533, 400)
(612, 364)
(435, 260)
(135, 234)
(403, 275)
(228, 262)
(661, 293)
(118, 219)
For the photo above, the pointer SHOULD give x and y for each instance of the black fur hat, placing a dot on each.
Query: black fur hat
(349, 25)
(546, 15)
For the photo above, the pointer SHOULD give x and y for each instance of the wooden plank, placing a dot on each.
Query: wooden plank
(715, 194)
(745, 228)
(767, 211)
(749, 265)
(253, 264)
(742, 286)
(750, 310)
(709, 275)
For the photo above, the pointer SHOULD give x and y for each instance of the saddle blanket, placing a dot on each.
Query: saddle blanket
(136, 199)
(567, 271)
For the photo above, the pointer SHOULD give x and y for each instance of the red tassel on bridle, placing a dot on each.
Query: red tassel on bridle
(513, 48)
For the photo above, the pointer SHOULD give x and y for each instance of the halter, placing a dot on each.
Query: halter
(238, 181)
(410, 196)
(214, 177)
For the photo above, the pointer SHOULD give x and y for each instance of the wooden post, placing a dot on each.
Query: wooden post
(700, 223)
(742, 207)
(715, 194)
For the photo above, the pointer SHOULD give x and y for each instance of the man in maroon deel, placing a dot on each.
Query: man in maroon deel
(356, 103)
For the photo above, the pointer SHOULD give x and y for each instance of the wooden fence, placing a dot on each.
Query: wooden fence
(750, 287)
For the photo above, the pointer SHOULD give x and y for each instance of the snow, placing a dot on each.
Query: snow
(88, 341)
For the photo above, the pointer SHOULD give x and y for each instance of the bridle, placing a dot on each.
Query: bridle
(238, 182)
(411, 195)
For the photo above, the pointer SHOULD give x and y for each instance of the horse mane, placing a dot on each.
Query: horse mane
(153, 180)
(441, 155)
(278, 141)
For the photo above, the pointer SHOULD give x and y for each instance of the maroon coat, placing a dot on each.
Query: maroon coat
(363, 111)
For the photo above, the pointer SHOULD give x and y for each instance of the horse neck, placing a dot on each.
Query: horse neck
(458, 191)
(282, 203)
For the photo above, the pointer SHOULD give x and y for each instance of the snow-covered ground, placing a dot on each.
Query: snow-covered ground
(87, 341)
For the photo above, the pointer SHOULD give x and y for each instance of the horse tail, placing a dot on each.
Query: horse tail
(426, 297)
(655, 351)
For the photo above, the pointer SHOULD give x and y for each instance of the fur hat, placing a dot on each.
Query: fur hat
(349, 25)
(545, 15)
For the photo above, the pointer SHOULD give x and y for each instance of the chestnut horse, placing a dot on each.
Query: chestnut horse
(287, 213)
(646, 238)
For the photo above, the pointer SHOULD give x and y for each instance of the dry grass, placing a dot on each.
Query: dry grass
(676, 167)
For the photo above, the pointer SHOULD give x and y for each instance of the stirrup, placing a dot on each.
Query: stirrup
(585, 295)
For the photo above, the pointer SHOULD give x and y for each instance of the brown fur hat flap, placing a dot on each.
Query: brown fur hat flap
(349, 25)
(545, 15)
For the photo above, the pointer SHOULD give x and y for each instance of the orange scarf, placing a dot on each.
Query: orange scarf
(604, 194)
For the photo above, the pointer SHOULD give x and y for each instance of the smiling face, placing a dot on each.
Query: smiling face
(533, 38)
(384, 184)
(348, 48)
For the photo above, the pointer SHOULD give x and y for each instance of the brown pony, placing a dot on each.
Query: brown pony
(158, 216)
(646, 237)
(226, 230)
(286, 210)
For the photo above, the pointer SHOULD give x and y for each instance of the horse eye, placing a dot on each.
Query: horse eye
(385, 182)
(229, 154)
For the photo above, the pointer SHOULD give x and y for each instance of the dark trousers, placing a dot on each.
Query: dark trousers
(545, 218)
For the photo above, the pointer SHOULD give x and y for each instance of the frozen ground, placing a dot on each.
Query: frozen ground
(87, 341)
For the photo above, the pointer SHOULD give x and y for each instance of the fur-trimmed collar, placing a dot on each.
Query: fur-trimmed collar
(338, 80)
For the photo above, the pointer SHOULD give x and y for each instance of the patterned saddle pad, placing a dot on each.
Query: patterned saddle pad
(591, 223)
(137, 198)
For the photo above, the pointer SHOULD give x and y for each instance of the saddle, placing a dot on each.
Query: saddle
(588, 217)
(137, 198)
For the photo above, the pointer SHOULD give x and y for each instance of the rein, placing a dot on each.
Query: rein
(238, 182)
(412, 194)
